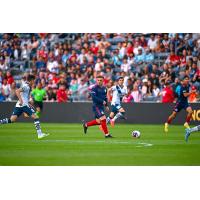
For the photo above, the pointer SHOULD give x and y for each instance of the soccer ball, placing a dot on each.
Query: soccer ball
(136, 134)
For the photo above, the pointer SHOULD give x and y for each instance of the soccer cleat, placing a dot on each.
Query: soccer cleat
(85, 128)
(166, 127)
(186, 125)
(42, 135)
(100, 128)
(112, 122)
(108, 136)
(187, 134)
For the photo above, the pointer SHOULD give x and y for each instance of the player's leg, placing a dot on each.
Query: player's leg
(92, 122)
(16, 113)
(110, 117)
(169, 120)
(12, 119)
(120, 114)
(31, 112)
(189, 116)
(188, 131)
(104, 127)
(38, 111)
(39, 107)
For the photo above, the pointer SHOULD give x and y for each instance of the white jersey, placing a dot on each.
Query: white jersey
(118, 94)
(25, 94)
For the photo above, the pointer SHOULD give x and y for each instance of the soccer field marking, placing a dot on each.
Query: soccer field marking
(99, 141)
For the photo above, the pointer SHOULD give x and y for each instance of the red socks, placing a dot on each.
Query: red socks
(169, 120)
(188, 118)
(104, 126)
(92, 123)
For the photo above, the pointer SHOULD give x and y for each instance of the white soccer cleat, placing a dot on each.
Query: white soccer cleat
(42, 135)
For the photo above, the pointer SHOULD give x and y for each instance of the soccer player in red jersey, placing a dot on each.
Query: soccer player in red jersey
(99, 98)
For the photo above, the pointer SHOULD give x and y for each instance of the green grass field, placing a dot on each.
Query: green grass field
(68, 146)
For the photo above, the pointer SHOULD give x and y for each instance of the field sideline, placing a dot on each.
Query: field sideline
(68, 146)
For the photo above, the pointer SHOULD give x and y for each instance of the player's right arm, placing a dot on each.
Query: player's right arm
(18, 91)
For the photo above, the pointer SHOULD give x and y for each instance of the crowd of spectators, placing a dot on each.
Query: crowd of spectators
(66, 64)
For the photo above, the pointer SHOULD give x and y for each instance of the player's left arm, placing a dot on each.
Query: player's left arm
(188, 93)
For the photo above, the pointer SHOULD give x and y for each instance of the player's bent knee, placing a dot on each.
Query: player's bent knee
(13, 119)
(34, 116)
(121, 110)
(98, 121)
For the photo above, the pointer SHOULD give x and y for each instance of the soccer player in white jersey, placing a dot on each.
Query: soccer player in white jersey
(188, 131)
(23, 106)
(118, 92)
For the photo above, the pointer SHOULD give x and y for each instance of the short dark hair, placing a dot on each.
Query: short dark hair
(121, 77)
(30, 77)
(100, 77)
(186, 77)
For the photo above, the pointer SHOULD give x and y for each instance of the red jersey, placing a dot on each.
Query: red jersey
(61, 95)
(10, 80)
(168, 95)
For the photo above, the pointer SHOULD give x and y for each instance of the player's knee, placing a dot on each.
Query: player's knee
(34, 116)
(12, 120)
(98, 121)
(111, 115)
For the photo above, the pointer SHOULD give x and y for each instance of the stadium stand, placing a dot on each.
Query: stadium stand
(73, 60)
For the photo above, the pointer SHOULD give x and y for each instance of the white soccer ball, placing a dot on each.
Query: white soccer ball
(136, 134)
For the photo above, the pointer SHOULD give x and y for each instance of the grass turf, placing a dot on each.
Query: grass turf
(68, 146)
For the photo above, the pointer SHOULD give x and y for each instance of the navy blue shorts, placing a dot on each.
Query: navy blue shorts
(179, 106)
(98, 111)
(25, 109)
(115, 108)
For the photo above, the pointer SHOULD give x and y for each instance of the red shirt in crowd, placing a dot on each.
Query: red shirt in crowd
(94, 50)
(10, 80)
(174, 59)
(168, 95)
(61, 95)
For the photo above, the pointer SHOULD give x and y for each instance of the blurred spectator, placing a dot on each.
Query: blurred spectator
(62, 94)
(51, 94)
(128, 98)
(66, 59)
(193, 96)
(9, 78)
(137, 96)
(167, 93)
(12, 96)
(152, 42)
(6, 89)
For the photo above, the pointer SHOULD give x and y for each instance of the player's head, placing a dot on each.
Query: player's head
(100, 80)
(30, 78)
(186, 80)
(120, 80)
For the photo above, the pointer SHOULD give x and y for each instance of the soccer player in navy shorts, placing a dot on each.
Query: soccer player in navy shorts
(181, 103)
(23, 106)
(99, 98)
